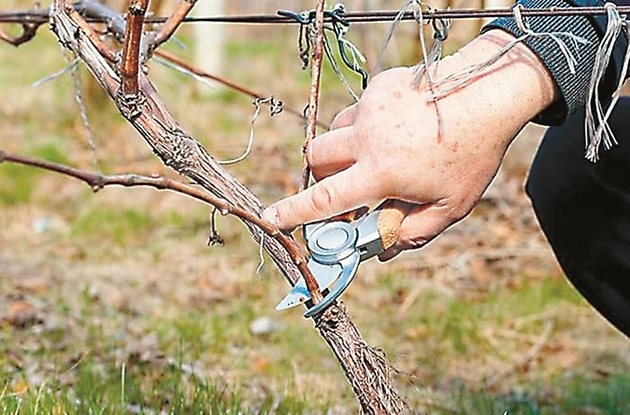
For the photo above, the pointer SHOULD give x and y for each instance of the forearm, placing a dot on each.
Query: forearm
(518, 87)
(572, 87)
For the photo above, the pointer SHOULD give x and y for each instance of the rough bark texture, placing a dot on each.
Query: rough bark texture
(365, 368)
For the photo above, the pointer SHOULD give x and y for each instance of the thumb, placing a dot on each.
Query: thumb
(334, 194)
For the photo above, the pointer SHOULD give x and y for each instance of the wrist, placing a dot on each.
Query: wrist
(502, 97)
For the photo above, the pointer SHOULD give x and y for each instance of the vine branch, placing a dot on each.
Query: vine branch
(98, 181)
(313, 102)
(102, 48)
(365, 368)
(173, 22)
(130, 64)
(311, 118)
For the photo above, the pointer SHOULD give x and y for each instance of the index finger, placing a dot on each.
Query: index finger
(335, 194)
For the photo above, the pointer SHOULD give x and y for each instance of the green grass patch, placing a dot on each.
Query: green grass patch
(194, 333)
(119, 226)
(244, 50)
(456, 319)
(52, 151)
(28, 58)
(558, 396)
(17, 183)
(95, 366)
(122, 389)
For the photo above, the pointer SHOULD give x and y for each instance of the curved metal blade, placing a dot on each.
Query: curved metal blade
(325, 276)
(349, 266)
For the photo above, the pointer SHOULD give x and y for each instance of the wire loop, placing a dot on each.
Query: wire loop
(440, 29)
(350, 54)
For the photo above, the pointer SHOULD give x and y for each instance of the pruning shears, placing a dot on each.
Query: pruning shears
(337, 247)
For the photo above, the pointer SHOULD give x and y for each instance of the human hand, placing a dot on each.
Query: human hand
(438, 157)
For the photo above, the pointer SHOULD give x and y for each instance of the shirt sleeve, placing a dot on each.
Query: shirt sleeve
(572, 87)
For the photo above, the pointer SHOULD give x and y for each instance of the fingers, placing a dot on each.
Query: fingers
(421, 225)
(331, 152)
(344, 118)
(332, 158)
(332, 195)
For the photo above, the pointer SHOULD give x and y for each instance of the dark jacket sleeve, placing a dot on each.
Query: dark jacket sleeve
(572, 87)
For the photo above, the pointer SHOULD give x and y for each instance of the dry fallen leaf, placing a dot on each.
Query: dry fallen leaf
(260, 364)
(19, 387)
(21, 314)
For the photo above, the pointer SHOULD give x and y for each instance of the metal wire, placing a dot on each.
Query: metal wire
(42, 16)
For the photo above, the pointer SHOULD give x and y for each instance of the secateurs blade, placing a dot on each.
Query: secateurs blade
(337, 248)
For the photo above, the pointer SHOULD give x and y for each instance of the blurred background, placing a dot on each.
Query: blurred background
(113, 302)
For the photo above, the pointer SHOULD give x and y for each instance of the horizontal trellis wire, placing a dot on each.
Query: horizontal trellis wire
(42, 16)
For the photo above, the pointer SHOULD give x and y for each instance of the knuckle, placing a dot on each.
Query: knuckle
(415, 242)
(413, 238)
(337, 122)
(456, 208)
(386, 180)
(343, 118)
(322, 200)
(284, 214)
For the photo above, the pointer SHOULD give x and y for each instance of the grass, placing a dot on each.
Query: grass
(16, 184)
(118, 226)
(568, 396)
(114, 389)
(199, 360)
(124, 309)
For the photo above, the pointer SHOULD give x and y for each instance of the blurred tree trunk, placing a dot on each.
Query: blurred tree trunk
(463, 30)
(366, 39)
(209, 36)
(495, 4)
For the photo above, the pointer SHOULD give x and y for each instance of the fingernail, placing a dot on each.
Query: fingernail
(271, 215)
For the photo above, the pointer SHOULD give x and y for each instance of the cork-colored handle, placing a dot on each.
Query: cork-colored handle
(389, 220)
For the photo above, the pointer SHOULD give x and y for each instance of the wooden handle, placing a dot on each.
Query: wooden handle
(389, 220)
(351, 215)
